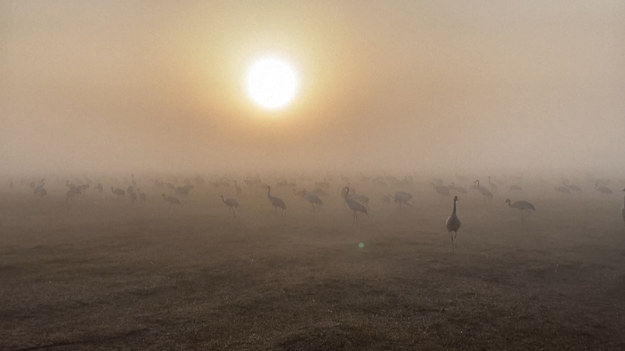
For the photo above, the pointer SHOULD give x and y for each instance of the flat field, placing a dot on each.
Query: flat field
(103, 273)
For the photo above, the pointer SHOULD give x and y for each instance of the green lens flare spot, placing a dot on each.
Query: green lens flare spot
(361, 245)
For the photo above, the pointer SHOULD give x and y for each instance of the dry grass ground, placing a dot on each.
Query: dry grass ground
(98, 272)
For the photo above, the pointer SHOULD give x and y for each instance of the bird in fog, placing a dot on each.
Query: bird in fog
(524, 206)
(562, 189)
(118, 191)
(362, 199)
(40, 190)
(172, 200)
(276, 202)
(571, 186)
(602, 189)
(485, 192)
(453, 224)
(232, 204)
(74, 189)
(183, 190)
(353, 205)
(312, 198)
(402, 198)
(71, 193)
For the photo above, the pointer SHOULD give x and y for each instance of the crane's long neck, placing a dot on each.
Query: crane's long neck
(222, 199)
(453, 213)
(269, 193)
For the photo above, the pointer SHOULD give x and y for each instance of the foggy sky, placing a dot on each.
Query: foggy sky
(398, 85)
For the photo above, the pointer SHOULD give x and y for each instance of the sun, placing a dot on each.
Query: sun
(271, 83)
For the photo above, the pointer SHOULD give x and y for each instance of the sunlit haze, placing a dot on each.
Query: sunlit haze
(271, 83)
(400, 85)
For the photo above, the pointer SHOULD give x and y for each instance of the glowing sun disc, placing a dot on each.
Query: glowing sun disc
(271, 83)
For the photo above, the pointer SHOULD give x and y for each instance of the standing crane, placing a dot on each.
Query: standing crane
(402, 198)
(311, 197)
(453, 224)
(353, 205)
(172, 200)
(276, 202)
(602, 188)
(524, 206)
(233, 204)
(485, 192)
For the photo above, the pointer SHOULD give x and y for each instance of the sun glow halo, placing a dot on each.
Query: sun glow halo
(271, 83)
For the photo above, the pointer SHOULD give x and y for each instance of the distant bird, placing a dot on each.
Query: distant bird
(118, 191)
(313, 199)
(453, 224)
(523, 206)
(485, 192)
(353, 205)
(402, 198)
(276, 202)
(233, 204)
(172, 200)
(74, 189)
(362, 199)
(571, 186)
(603, 189)
(562, 189)
(71, 193)
(183, 190)
(319, 192)
(40, 190)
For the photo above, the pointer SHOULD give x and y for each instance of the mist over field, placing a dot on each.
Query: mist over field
(442, 175)
(406, 86)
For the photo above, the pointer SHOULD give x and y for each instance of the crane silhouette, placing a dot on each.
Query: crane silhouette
(485, 192)
(453, 224)
(233, 204)
(276, 202)
(524, 206)
(353, 205)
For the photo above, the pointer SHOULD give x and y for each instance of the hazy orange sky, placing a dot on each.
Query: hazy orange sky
(385, 85)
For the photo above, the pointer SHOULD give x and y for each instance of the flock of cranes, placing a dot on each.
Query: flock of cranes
(358, 204)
